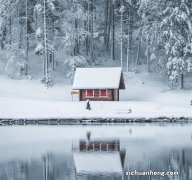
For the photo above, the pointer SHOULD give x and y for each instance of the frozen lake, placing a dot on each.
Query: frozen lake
(25, 151)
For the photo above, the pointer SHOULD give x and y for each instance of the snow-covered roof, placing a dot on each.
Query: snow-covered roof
(97, 163)
(98, 78)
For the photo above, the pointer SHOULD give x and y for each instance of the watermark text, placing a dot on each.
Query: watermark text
(151, 173)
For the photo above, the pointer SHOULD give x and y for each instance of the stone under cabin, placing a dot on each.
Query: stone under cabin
(99, 84)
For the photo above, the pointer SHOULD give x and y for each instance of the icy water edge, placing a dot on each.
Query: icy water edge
(47, 153)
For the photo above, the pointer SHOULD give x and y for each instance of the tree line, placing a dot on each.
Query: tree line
(130, 32)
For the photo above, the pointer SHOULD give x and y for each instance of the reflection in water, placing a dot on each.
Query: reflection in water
(103, 157)
(98, 159)
(49, 167)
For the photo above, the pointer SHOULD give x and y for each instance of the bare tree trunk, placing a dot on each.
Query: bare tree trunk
(10, 30)
(121, 35)
(128, 40)
(4, 33)
(138, 49)
(86, 25)
(182, 81)
(148, 55)
(20, 36)
(53, 61)
(108, 25)
(53, 53)
(106, 21)
(112, 33)
(45, 45)
(76, 48)
(44, 65)
(27, 39)
(91, 30)
(182, 74)
(131, 35)
(91, 42)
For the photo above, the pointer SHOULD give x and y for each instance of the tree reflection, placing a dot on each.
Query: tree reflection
(53, 166)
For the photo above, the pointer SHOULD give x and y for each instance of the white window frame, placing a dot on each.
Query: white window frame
(100, 93)
(90, 96)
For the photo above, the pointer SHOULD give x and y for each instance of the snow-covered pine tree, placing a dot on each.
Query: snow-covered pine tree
(15, 26)
(46, 14)
(76, 36)
(149, 29)
(16, 63)
(177, 34)
(13, 20)
(73, 62)
(167, 29)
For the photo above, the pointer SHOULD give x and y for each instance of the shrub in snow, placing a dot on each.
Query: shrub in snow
(49, 82)
(39, 34)
(29, 77)
(72, 62)
(16, 63)
(39, 49)
(175, 67)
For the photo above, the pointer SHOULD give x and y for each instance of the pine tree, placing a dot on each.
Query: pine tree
(167, 28)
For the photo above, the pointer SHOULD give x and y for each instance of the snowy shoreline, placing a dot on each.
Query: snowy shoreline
(103, 111)
(96, 121)
(149, 102)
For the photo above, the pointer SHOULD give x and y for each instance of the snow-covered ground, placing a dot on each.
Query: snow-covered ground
(144, 95)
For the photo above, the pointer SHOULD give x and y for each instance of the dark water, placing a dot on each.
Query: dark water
(46, 153)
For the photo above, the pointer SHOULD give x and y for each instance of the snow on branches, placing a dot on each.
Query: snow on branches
(72, 62)
(170, 23)
(16, 63)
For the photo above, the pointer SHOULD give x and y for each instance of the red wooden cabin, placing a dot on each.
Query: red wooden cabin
(99, 84)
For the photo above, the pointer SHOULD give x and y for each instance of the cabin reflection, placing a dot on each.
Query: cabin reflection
(98, 159)
(99, 145)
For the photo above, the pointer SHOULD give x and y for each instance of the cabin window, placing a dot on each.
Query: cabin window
(103, 93)
(89, 93)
